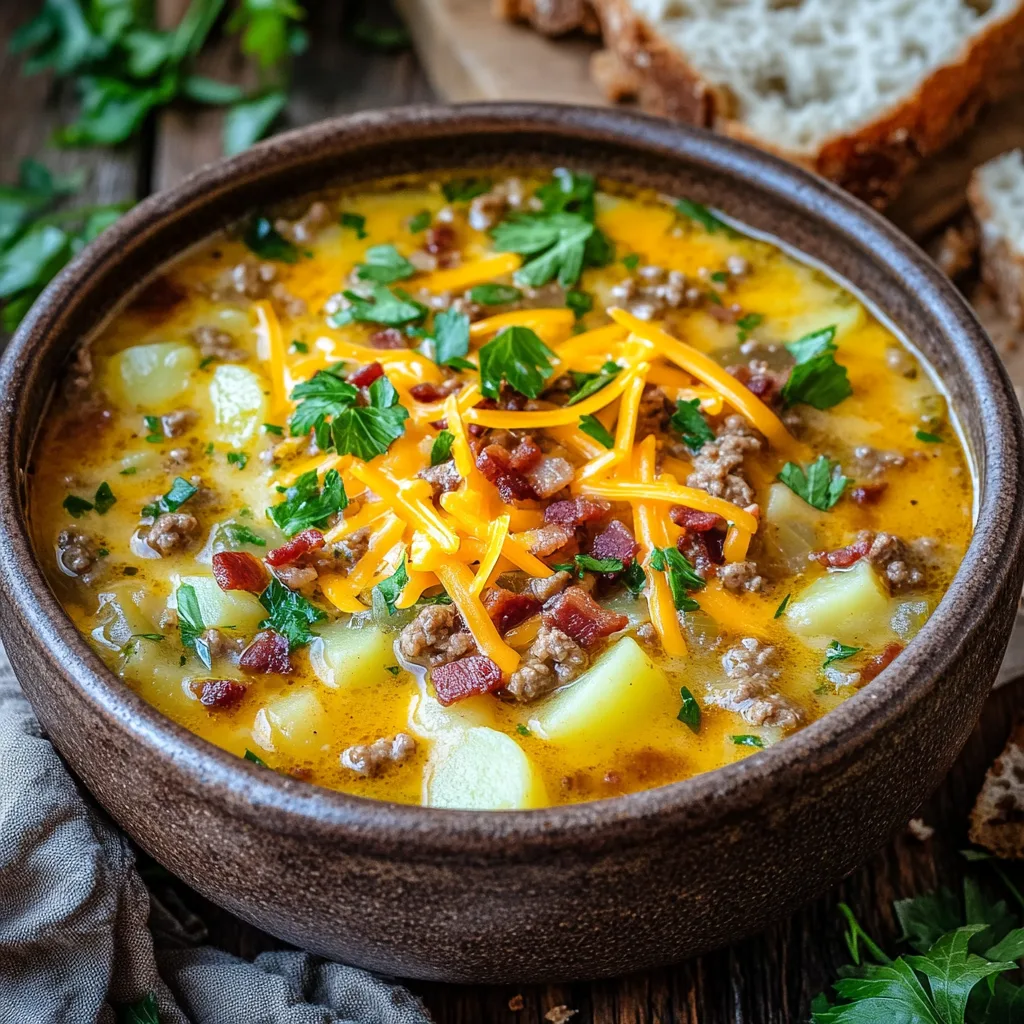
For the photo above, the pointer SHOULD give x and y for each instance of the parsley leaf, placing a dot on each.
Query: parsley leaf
(557, 243)
(392, 308)
(701, 214)
(441, 449)
(517, 356)
(420, 222)
(747, 323)
(588, 563)
(927, 438)
(355, 221)
(269, 29)
(568, 192)
(821, 486)
(307, 505)
(689, 712)
(634, 578)
(817, 379)
(190, 623)
(104, 499)
(367, 431)
(588, 384)
(494, 294)
(631, 261)
(180, 492)
(384, 265)
(289, 614)
(782, 607)
(839, 652)
(254, 758)
(689, 421)
(682, 576)
(594, 428)
(451, 337)
(248, 120)
(461, 190)
(239, 535)
(390, 589)
(748, 741)
(324, 394)
(579, 302)
(77, 507)
(262, 238)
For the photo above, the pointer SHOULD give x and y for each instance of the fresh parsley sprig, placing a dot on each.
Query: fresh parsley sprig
(382, 306)
(306, 504)
(817, 379)
(181, 490)
(587, 384)
(517, 356)
(682, 576)
(388, 591)
(594, 428)
(821, 485)
(689, 421)
(289, 614)
(190, 623)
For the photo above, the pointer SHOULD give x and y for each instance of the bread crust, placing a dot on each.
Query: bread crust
(1002, 264)
(997, 820)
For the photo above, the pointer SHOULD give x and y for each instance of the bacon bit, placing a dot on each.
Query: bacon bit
(711, 545)
(366, 375)
(880, 661)
(507, 609)
(238, 570)
(550, 476)
(546, 540)
(575, 511)
(218, 693)
(868, 494)
(615, 541)
(464, 678)
(693, 519)
(495, 464)
(427, 391)
(442, 242)
(268, 652)
(388, 338)
(843, 558)
(579, 616)
(525, 455)
(301, 544)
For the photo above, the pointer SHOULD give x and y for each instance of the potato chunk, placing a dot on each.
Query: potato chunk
(849, 605)
(616, 696)
(151, 377)
(351, 657)
(294, 724)
(239, 404)
(431, 720)
(484, 770)
(237, 610)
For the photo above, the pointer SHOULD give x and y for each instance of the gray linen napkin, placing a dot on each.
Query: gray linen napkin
(75, 919)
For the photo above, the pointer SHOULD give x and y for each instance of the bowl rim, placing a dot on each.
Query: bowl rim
(288, 805)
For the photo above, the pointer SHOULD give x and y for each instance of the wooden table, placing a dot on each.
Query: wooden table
(768, 979)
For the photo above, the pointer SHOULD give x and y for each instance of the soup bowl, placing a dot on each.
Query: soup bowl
(571, 891)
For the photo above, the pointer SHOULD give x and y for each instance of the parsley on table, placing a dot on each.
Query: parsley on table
(689, 421)
(701, 214)
(420, 222)
(689, 711)
(240, 535)
(190, 623)
(587, 384)
(782, 607)
(747, 323)
(355, 221)
(324, 394)
(588, 563)
(180, 492)
(821, 485)
(748, 741)
(248, 120)
(517, 356)
(461, 190)
(384, 306)
(269, 30)
(494, 294)
(384, 264)
(441, 449)
(289, 614)
(634, 578)
(839, 652)
(306, 505)
(390, 590)
(254, 758)
(682, 576)
(593, 427)
(927, 438)
(451, 339)
(262, 238)
(817, 379)
(367, 431)
(143, 1011)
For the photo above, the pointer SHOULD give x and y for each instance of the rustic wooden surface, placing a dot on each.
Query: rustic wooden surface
(768, 979)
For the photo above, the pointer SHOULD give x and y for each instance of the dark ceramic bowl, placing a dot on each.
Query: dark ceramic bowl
(569, 892)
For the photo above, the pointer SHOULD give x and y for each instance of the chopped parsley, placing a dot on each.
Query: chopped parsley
(420, 222)
(306, 505)
(517, 356)
(384, 306)
(817, 379)
(631, 261)
(267, 242)
(634, 578)
(299, 346)
(451, 339)
(722, 277)
(682, 576)
(839, 652)
(588, 384)
(747, 323)
(384, 265)
(821, 486)
(355, 221)
(393, 669)
(324, 394)
(76, 506)
(701, 214)
(367, 431)
(691, 425)
(689, 711)
(206, 362)
(494, 294)
(927, 438)
(579, 302)
(104, 499)
(102, 502)
(390, 590)
(239, 535)
(289, 614)
(239, 459)
(588, 563)
(190, 623)
(155, 430)
(129, 471)
(523, 730)
(180, 492)
(254, 758)
(782, 607)
(593, 427)
(461, 190)
(441, 449)
(273, 428)
(555, 244)
(748, 741)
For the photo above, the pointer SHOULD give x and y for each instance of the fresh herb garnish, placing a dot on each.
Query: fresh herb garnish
(593, 427)
(239, 459)
(299, 346)
(392, 308)
(267, 242)
(104, 499)
(451, 339)
(142, 1011)
(77, 507)
(821, 486)
(747, 323)
(240, 535)
(355, 221)
(384, 265)
(367, 431)
(494, 294)
(131, 648)
(682, 576)
(250, 119)
(523, 730)
(556, 242)
(390, 590)
(517, 356)
(839, 652)
(324, 394)
(689, 712)
(701, 214)
(129, 471)
(634, 578)
(588, 563)
(273, 428)
(748, 741)
(927, 438)
(588, 384)
(722, 277)
(441, 449)
(817, 379)
(155, 428)
(306, 505)
(393, 669)
(461, 190)
(782, 607)
(420, 222)
(689, 421)
(441, 598)
(631, 261)
(190, 623)
(289, 614)
(579, 302)
(254, 758)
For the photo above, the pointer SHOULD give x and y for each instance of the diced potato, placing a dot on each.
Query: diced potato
(225, 609)
(294, 723)
(350, 657)
(786, 506)
(792, 525)
(849, 606)
(429, 718)
(621, 691)
(121, 616)
(239, 404)
(151, 377)
(483, 770)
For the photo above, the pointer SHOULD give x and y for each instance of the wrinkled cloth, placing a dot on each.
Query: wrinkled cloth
(82, 940)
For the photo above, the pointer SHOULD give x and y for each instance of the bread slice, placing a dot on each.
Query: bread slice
(996, 195)
(997, 821)
(858, 90)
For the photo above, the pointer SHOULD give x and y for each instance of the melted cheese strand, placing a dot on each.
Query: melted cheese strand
(496, 535)
(629, 413)
(558, 318)
(469, 274)
(270, 348)
(737, 542)
(369, 513)
(455, 504)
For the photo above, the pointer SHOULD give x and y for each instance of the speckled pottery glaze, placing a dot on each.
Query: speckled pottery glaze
(568, 892)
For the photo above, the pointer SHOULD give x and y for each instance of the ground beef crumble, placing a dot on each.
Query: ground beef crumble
(218, 344)
(371, 759)
(172, 531)
(435, 637)
(552, 660)
(752, 669)
(717, 467)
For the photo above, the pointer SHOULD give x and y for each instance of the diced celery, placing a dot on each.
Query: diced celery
(850, 606)
(151, 377)
(239, 404)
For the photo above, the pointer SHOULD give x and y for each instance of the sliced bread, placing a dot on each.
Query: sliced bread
(859, 90)
(997, 820)
(996, 195)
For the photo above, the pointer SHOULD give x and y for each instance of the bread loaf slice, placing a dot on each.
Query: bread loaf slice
(996, 195)
(858, 90)
(997, 820)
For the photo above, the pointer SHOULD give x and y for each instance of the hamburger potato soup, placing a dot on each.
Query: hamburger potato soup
(497, 491)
